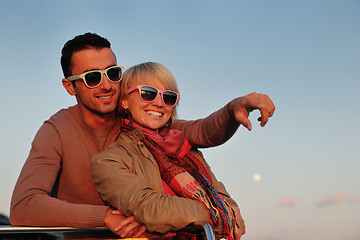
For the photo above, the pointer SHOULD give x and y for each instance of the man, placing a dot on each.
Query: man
(55, 187)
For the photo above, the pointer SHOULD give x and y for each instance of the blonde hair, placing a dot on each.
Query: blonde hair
(148, 71)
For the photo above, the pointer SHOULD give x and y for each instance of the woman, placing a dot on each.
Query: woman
(151, 172)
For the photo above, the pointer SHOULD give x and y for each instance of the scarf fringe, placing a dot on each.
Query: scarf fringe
(201, 195)
(210, 197)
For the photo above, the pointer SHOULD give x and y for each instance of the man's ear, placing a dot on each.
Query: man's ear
(68, 86)
(124, 103)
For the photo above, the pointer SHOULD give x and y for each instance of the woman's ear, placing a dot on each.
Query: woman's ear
(124, 103)
(68, 86)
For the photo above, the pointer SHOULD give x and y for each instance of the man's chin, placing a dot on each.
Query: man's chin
(107, 109)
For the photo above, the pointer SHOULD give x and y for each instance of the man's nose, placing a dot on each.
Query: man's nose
(105, 83)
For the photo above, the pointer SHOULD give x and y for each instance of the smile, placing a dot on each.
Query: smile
(158, 114)
(105, 97)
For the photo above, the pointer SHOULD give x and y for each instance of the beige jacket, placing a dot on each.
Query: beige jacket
(128, 178)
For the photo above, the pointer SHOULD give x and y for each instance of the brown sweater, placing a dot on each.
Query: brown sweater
(55, 186)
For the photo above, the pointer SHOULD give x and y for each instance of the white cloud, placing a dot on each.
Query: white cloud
(288, 202)
(354, 199)
(337, 198)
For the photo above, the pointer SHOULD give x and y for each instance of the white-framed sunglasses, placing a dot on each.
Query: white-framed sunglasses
(93, 78)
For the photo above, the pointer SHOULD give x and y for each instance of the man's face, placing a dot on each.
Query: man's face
(103, 99)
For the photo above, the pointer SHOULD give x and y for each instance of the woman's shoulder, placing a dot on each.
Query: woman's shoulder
(127, 149)
(130, 137)
(126, 142)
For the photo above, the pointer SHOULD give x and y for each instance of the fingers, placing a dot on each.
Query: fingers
(116, 212)
(130, 228)
(141, 231)
(133, 230)
(240, 224)
(244, 105)
(124, 223)
(237, 234)
(243, 120)
(266, 108)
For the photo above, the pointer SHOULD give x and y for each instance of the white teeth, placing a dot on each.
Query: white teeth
(105, 97)
(154, 113)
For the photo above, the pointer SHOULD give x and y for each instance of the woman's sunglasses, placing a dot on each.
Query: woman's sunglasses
(93, 79)
(149, 94)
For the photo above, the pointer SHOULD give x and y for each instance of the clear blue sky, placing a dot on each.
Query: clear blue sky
(305, 54)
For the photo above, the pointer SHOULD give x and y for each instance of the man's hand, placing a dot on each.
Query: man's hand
(122, 225)
(241, 107)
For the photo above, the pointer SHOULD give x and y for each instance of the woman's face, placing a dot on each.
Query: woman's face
(152, 115)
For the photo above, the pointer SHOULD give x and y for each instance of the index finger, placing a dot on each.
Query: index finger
(267, 109)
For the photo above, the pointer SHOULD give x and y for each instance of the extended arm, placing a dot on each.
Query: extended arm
(221, 125)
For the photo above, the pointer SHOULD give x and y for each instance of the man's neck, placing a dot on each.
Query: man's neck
(97, 120)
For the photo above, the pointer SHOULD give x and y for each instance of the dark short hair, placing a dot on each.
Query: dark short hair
(78, 43)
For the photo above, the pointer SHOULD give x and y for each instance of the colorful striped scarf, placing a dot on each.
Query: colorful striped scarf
(185, 174)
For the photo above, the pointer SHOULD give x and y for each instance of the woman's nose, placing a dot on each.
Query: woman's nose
(158, 102)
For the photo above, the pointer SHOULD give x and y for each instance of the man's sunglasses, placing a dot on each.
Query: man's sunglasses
(93, 79)
(149, 94)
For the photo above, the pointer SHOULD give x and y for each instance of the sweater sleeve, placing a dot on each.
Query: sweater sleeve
(32, 203)
(127, 188)
(211, 131)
